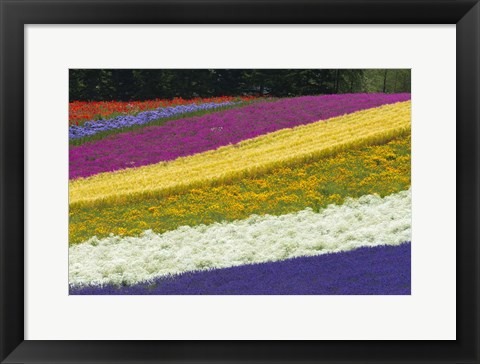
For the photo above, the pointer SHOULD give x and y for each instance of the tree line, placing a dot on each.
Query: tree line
(142, 84)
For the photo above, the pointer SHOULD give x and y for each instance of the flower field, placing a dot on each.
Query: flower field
(304, 195)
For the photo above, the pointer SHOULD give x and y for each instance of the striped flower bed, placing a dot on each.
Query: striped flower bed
(283, 190)
(287, 146)
(81, 111)
(180, 138)
(381, 270)
(280, 191)
(94, 127)
(367, 221)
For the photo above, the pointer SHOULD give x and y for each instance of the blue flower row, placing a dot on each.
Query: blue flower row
(93, 127)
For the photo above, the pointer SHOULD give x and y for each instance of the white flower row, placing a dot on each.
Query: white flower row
(367, 221)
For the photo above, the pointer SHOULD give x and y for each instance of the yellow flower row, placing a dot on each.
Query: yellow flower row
(382, 169)
(253, 156)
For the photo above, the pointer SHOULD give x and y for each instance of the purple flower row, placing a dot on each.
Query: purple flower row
(188, 136)
(93, 127)
(384, 270)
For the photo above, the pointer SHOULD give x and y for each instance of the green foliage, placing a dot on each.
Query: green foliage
(387, 80)
(142, 84)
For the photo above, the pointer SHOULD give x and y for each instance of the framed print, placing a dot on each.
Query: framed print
(221, 195)
(239, 181)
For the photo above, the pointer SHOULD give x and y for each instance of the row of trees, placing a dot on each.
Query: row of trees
(141, 84)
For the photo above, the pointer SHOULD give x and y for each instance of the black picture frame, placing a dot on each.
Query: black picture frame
(16, 13)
